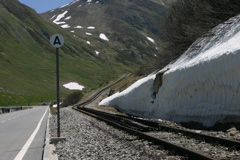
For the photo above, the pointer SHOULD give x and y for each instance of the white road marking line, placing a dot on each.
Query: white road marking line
(29, 141)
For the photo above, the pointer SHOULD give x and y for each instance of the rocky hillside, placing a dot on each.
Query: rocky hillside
(126, 29)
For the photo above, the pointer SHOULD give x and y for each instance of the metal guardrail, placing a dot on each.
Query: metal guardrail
(9, 109)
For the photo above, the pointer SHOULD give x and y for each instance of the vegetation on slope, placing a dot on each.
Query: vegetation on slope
(189, 19)
(27, 60)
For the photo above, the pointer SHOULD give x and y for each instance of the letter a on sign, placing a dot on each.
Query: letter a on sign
(57, 40)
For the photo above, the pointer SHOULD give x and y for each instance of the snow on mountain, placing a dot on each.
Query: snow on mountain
(203, 85)
(97, 53)
(65, 26)
(150, 39)
(103, 37)
(69, 17)
(78, 27)
(89, 34)
(91, 27)
(59, 17)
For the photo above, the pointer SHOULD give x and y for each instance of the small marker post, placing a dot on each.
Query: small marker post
(57, 41)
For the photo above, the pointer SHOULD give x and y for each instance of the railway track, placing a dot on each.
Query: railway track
(169, 138)
(96, 94)
(150, 130)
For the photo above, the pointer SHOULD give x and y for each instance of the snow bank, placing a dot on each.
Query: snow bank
(73, 86)
(203, 85)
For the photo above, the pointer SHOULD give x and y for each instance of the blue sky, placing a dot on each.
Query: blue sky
(45, 5)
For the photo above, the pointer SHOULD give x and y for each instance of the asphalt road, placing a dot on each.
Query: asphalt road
(22, 134)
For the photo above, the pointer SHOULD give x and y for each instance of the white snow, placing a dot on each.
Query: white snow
(103, 36)
(64, 5)
(89, 1)
(91, 27)
(72, 31)
(65, 26)
(89, 34)
(73, 86)
(150, 39)
(55, 105)
(74, 2)
(69, 17)
(203, 85)
(59, 23)
(53, 17)
(78, 27)
(97, 53)
(59, 17)
(88, 42)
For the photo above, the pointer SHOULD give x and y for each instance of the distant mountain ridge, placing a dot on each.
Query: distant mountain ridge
(131, 27)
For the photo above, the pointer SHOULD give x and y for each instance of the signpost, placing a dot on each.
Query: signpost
(57, 41)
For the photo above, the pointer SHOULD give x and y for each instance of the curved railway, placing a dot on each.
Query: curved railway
(149, 130)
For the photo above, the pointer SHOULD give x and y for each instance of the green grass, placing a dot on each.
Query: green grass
(27, 60)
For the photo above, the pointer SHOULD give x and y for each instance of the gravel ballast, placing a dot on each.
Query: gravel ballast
(89, 139)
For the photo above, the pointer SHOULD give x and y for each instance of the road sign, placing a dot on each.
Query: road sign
(57, 40)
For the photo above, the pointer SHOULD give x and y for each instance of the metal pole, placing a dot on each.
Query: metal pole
(57, 79)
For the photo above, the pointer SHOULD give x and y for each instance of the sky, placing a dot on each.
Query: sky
(45, 5)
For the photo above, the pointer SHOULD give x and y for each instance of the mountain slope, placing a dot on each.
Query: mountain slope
(131, 28)
(27, 60)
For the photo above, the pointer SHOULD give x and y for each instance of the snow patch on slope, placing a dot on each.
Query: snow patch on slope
(65, 26)
(91, 27)
(89, 34)
(150, 39)
(59, 17)
(73, 86)
(103, 37)
(97, 52)
(69, 17)
(78, 27)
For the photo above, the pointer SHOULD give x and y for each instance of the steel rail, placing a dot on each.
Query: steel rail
(209, 139)
(178, 150)
(166, 145)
